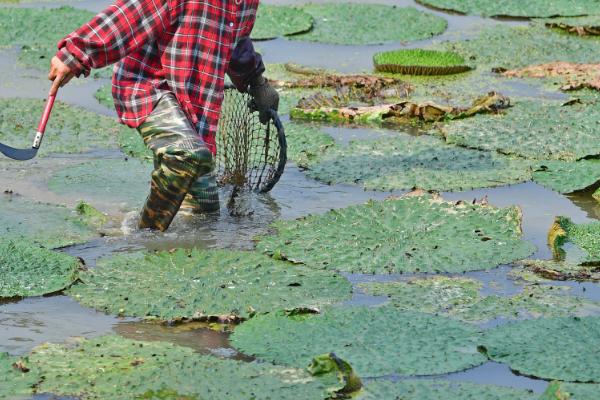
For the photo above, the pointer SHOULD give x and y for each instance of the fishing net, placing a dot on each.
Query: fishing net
(250, 155)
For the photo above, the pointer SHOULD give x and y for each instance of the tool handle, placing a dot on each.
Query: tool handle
(43, 121)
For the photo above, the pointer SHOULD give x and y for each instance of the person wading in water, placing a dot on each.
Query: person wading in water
(172, 58)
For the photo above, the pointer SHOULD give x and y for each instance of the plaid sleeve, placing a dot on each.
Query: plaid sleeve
(245, 64)
(111, 35)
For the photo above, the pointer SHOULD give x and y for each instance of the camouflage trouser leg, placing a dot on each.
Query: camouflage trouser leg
(203, 196)
(180, 157)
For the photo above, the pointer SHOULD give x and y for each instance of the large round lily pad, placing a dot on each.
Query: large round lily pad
(112, 367)
(411, 234)
(425, 389)
(275, 21)
(116, 181)
(511, 47)
(306, 142)
(553, 348)
(15, 383)
(420, 62)
(405, 162)
(375, 341)
(533, 129)
(582, 26)
(48, 225)
(29, 270)
(568, 177)
(70, 129)
(370, 24)
(460, 298)
(204, 283)
(517, 8)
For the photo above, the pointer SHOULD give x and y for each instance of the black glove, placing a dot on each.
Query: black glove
(264, 98)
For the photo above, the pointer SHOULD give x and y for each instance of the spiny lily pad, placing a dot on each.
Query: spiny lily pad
(420, 62)
(534, 129)
(48, 225)
(460, 298)
(425, 389)
(113, 181)
(29, 270)
(306, 142)
(112, 367)
(548, 348)
(510, 47)
(584, 237)
(274, 21)
(581, 26)
(568, 177)
(375, 341)
(411, 234)
(405, 162)
(15, 382)
(70, 130)
(204, 283)
(516, 8)
(371, 24)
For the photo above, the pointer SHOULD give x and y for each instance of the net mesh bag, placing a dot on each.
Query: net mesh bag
(250, 155)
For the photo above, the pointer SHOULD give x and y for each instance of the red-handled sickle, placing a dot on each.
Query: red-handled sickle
(28, 154)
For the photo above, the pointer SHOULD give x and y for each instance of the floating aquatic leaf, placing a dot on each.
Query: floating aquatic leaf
(306, 142)
(204, 283)
(70, 130)
(405, 162)
(567, 177)
(275, 21)
(425, 389)
(371, 24)
(584, 237)
(534, 129)
(48, 225)
(375, 341)
(582, 26)
(548, 348)
(30, 270)
(516, 8)
(460, 298)
(112, 367)
(420, 62)
(510, 47)
(414, 233)
(113, 181)
(16, 382)
(576, 391)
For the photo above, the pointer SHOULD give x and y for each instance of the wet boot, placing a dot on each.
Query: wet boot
(180, 157)
(202, 197)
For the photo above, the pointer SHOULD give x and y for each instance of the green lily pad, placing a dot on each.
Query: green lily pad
(371, 24)
(459, 298)
(104, 96)
(516, 8)
(204, 283)
(48, 225)
(405, 162)
(103, 368)
(375, 341)
(30, 270)
(534, 129)
(70, 129)
(113, 181)
(410, 234)
(420, 62)
(275, 21)
(579, 391)
(584, 237)
(568, 177)
(511, 47)
(548, 348)
(306, 142)
(582, 26)
(15, 384)
(425, 389)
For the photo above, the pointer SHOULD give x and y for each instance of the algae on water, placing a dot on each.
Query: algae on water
(418, 233)
(200, 284)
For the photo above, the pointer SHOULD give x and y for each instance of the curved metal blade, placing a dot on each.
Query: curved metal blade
(18, 154)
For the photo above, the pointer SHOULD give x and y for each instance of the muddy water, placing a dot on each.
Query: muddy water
(26, 323)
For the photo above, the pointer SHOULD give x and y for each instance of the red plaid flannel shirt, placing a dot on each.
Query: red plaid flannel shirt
(181, 46)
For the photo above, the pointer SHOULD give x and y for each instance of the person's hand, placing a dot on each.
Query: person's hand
(59, 73)
(264, 98)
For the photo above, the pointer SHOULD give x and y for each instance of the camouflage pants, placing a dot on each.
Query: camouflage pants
(183, 175)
